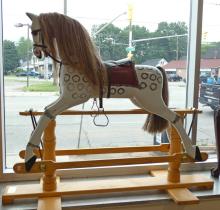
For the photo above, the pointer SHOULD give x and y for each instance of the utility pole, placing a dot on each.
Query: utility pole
(177, 48)
(130, 47)
(28, 39)
(103, 27)
(65, 7)
(107, 24)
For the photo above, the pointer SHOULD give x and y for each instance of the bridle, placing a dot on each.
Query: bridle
(43, 46)
(34, 33)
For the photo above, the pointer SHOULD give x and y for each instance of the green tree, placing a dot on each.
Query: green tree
(10, 56)
(112, 42)
(22, 46)
(109, 42)
(210, 50)
(171, 48)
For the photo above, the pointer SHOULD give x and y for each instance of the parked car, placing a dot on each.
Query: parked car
(25, 73)
(174, 78)
(41, 76)
(21, 74)
(34, 73)
(203, 78)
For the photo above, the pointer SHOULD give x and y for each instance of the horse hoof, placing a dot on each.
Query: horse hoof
(198, 156)
(30, 163)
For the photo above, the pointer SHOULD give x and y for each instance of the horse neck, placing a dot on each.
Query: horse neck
(69, 69)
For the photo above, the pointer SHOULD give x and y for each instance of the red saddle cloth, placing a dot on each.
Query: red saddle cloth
(122, 74)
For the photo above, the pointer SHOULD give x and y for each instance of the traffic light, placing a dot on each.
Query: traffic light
(130, 11)
(204, 36)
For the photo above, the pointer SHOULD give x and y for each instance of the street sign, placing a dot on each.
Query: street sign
(130, 49)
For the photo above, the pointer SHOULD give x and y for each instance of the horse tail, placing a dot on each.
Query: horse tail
(155, 123)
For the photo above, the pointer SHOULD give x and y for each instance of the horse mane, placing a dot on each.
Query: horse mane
(74, 44)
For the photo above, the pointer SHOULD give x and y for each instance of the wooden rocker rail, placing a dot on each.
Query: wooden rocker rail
(106, 150)
(49, 165)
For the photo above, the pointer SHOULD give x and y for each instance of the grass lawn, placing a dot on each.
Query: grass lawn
(42, 87)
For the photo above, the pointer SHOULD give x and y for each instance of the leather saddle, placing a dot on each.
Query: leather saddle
(121, 73)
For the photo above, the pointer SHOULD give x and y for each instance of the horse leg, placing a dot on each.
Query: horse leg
(163, 111)
(49, 114)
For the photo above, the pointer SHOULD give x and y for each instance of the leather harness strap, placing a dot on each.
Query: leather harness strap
(101, 95)
(109, 83)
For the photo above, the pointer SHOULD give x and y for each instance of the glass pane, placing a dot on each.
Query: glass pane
(21, 69)
(209, 74)
(164, 31)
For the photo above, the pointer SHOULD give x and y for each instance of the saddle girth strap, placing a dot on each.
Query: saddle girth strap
(109, 83)
(100, 89)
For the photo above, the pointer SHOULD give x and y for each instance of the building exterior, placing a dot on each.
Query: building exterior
(155, 62)
(38, 65)
(207, 66)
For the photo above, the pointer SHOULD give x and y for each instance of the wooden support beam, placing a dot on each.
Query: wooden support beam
(112, 112)
(49, 142)
(50, 166)
(181, 196)
(53, 203)
(106, 150)
(104, 185)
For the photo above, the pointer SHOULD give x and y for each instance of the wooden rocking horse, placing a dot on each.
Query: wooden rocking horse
(83, 75)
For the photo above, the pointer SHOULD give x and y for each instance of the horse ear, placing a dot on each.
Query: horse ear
(31, 15)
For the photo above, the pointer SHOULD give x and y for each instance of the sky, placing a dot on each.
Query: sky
(146, 13)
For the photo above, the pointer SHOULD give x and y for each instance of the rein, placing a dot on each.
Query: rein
(47, 53)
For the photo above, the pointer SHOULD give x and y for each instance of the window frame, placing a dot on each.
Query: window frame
(193, 61)
(193, 57)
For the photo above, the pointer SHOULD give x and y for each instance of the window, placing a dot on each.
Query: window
(164, 38)
(209, 73)
(19, 75)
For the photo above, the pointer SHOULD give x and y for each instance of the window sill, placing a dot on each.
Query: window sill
(115, 200)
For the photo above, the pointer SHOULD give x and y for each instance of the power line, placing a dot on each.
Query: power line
(156, 38)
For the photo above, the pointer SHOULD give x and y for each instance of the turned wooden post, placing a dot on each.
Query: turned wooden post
(175, 147)
(49, 143)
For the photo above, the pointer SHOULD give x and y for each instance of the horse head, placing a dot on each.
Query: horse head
(38, 42)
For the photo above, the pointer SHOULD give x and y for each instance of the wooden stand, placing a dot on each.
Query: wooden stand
(49, 193)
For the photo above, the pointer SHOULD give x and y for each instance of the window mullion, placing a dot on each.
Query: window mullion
(193, 65)
(2, 149)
